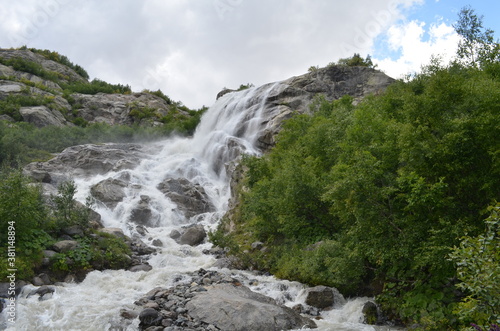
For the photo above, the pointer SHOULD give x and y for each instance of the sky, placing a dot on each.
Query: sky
(192, 49)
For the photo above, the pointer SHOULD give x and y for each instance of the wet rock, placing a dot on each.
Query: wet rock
(149, 317)
(129, 314)
(110, 191)
(323, 297)
(37, 281)
(142, 213)
(209, 300)
(65, 246)
(70, 279)
(140, 267)
(193, 236)
(45, 279)
(175, 234)
(84, 160)
(230, 307)
(190, 198)
(223, 92)
(44, 290)
(157, 243)
(140, 248)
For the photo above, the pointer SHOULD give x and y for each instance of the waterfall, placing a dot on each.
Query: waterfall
(228, 129)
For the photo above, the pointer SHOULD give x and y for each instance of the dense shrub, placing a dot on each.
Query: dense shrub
(28, 226)
(382, 192)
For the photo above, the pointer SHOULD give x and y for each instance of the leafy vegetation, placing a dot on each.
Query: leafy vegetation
(374, 198)
(62, 59)
(354, 61)
(36, 227)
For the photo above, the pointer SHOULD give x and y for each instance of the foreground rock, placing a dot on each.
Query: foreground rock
(213, 301)
(231, 307)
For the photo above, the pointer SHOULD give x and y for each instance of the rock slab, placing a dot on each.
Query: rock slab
(237, 308)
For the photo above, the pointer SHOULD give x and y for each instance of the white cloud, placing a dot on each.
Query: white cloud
(417, 45)
(191, 49)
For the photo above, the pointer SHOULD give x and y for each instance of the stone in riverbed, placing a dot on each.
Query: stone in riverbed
(193, 236)
(323, 297)
(149, 317)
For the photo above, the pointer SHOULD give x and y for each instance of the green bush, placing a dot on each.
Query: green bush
(478, 268)
(389, 185)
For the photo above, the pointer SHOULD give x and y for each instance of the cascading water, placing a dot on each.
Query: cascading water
(229, 128)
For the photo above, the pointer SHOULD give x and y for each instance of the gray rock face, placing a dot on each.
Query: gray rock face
(191, 199)
(41, 116)
(295, 95)
(115, 109)
(85, 160)
(47, 64)
(237, 308)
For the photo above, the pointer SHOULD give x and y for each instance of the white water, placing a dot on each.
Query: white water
(230, 127)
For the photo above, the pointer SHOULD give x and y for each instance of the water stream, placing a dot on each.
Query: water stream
(228, 129)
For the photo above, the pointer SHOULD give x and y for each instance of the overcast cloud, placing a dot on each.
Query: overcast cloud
(192, 49)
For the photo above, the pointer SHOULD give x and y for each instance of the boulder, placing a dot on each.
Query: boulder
(237, 308)
(73, 231)
(109, 191)
(41, 116)
(140, 267)
(193, 236)
(113, 231)
(190, 198)
(323, 297)
(65, 246)
(149, 317)
(141, 214)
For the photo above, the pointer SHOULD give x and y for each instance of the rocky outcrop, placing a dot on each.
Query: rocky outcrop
(296, 94)
(41, 116)
(214, 301)
(122, 109)
(144, 108)
(86, 160)
(64, 72)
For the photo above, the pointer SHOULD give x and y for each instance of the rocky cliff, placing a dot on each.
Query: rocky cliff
(44, 92)
(295, 95)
